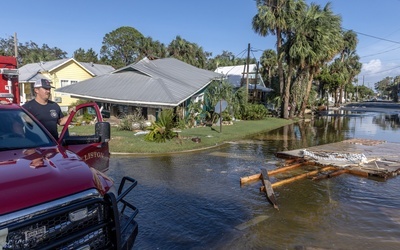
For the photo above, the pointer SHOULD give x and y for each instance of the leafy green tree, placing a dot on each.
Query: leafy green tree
(235, 98)
(395, 89)
(350, 62)
(121, 47)
(86, 56)
(226, 59)
(365, 92)
(30, 52)
(327, 81)
(353, 67)
(384, 86)
(7, 46)
(152, 49)
(187, 52)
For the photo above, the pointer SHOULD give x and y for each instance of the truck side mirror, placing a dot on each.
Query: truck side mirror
(103, 131)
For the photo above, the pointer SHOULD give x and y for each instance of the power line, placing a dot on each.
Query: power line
(379, 38)
(380, 52)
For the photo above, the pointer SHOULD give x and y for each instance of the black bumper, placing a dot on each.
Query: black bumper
(95, 223)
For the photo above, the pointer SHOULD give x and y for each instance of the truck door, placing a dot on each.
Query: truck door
(83, 134)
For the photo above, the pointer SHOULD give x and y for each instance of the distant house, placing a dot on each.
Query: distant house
(151, 85)
(239, 76)
(61, 73)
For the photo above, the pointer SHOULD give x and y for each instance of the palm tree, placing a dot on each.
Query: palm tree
(320, 39)
(273, 17)
(349, 46)
(152, 49)
(268, 62)
(353, 65)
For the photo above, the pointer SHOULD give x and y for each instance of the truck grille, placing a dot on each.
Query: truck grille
(82, 224)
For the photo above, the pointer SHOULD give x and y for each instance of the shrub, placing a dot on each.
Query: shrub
(254, 112)
(127, 120)
(161, 130)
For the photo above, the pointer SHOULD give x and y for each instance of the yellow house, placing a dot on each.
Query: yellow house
(61, 73)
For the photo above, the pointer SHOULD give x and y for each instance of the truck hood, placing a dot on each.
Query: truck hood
(33, 176)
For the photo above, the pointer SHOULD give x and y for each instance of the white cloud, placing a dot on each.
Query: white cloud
(376, 70)
(372, 67)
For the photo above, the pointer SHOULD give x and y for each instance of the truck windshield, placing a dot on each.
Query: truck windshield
(19, 131)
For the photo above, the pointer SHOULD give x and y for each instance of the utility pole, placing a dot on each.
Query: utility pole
(357, 90)
(16, 47)
(248, 68)
(256, 81)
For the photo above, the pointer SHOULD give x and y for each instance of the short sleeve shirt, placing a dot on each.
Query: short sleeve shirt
(47, 114)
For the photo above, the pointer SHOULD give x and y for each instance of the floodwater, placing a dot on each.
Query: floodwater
(195, 200)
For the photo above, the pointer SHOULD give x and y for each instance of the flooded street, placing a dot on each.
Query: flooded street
(195, 201)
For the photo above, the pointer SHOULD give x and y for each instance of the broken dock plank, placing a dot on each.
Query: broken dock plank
(301, 176)
(268, 188)
(256, 177)
(251, 178)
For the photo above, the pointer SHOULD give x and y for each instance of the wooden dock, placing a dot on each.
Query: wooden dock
(368, 158)
(365, 158)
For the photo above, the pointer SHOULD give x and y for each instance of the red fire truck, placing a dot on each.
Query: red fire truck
(54, 194)
(9, 79)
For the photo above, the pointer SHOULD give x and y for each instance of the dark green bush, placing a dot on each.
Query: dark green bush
(254, 112)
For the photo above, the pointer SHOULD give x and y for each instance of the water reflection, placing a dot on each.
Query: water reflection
(195, 201)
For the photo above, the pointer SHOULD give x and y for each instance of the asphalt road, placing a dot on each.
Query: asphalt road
(377, 106)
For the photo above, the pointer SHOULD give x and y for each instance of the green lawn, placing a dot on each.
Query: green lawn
(128, 142)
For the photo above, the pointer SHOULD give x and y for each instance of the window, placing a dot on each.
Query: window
(64, 83)
(67, 82)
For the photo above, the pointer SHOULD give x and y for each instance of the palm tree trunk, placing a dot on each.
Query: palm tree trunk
(340, 95)
(306, 95)
(336, 98)
(286, 96)
(280, 70)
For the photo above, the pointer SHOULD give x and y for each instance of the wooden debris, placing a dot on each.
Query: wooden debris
(365, 158)
(330, 175)
(268, 188)
(358, 172)
(251, 178)
(361, 157)
(290, 167)
(301, 176)
(256, 177)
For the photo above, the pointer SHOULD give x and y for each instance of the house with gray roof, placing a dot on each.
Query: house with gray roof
(151, 85)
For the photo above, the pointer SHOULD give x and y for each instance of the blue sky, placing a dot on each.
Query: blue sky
(215, 25)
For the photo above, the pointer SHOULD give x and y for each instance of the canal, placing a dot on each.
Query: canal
(195, 200)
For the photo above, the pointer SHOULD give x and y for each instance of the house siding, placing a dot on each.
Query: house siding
(72, 72)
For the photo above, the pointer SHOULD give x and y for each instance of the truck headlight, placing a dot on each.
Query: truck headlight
(78, 214)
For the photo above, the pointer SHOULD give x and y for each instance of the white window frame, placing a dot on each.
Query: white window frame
(67, 82)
